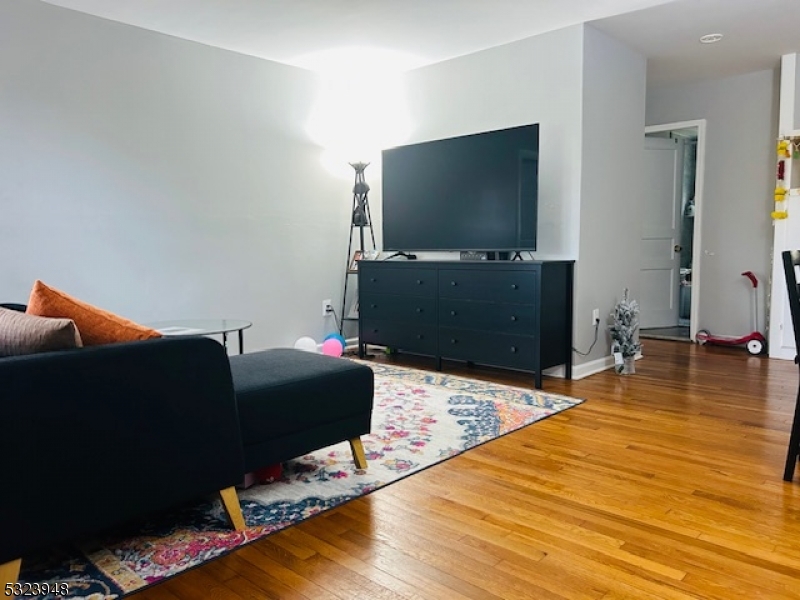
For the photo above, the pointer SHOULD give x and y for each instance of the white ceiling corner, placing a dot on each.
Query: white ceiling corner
(406, 34)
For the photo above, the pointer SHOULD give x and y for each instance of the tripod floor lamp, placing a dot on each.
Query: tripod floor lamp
(360, 219)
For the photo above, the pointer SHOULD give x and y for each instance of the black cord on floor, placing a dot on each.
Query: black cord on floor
(589, 351)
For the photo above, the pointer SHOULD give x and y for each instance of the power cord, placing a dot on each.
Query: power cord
(596, 334)
(335, 318)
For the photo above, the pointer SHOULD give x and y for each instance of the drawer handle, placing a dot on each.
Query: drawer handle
(453, 341)
(453, 283)
(513, 349)
(419, 310)
(453, 313)
(513, 317)
(419, 281)
(514, 286)
(420, 336)
(373, 306)
(372, 279)
(374, 331)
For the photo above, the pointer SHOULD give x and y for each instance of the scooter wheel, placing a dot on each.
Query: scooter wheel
(755, 347)
(701, 337)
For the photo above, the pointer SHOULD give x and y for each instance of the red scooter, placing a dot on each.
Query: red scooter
(756, 343)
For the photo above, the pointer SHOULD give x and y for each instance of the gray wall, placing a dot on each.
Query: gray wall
(160, 178)
(537, 80)
(614, 89)
(741, 114)
(588, 93)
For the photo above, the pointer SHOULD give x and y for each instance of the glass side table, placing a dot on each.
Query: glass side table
(183, 327)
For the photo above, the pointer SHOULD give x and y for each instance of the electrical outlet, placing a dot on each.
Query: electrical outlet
(327, 307)
(595, 316)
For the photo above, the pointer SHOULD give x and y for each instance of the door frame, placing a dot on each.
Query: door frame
(697, 231)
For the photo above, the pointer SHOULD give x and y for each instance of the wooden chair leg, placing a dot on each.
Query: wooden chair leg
(358, 453)
(230, 502)
(794, 444)
(9, 572)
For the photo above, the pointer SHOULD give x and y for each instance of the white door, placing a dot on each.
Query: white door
(660, 253)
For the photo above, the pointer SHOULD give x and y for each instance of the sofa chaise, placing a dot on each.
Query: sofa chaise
(96, 436)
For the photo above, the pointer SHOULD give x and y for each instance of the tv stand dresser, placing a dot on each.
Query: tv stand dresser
(511, 314)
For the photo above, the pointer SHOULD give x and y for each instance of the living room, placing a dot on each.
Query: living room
(162, 155)
(162, 178)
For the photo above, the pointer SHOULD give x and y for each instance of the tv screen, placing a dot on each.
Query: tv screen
(473, 192)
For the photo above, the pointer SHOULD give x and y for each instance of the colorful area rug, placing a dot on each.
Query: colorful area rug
(420, 418)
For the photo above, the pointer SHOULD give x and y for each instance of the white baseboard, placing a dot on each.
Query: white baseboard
(583, 370)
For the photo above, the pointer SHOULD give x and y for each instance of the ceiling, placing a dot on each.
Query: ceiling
(406, 34)
(757, 33)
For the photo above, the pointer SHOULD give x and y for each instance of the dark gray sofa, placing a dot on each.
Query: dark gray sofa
(96, 436)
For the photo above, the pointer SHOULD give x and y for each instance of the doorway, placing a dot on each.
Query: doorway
(670, 264)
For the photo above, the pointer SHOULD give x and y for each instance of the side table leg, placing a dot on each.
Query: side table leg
(241, 341)
(225, 340)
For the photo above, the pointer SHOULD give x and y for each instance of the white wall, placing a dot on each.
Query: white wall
(741, 114)
(536, 80)
(160, 178)
(796, 92)
(786, 231)
(587, 91)
(612, 141)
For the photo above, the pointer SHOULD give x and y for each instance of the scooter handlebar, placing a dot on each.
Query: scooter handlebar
(751, 277)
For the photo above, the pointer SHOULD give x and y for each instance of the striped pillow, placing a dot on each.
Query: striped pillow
(21, 333)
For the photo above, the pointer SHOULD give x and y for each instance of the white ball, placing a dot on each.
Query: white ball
(306, 343)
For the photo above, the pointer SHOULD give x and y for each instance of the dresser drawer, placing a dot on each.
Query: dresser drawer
(406, 282)
(488, 316)
(498, 349)
(412, 337)
(387, 307)
(493, 285)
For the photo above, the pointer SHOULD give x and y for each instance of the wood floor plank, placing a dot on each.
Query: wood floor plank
(663, 485)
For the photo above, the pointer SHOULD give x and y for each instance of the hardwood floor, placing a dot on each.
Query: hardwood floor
(662, 485)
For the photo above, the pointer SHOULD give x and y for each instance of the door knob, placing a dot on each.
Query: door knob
(678, 248)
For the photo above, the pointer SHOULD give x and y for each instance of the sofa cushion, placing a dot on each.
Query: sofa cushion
(21, 333)
(97, 326)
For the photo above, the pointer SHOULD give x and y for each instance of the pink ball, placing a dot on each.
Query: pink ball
(332, 347)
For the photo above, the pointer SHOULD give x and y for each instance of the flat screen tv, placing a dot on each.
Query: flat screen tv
(473, 192)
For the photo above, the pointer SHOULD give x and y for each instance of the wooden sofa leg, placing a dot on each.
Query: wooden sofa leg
(9, 572)
(358, 453)
(230, 502)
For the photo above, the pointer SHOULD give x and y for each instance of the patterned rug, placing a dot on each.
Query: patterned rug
(420, 418)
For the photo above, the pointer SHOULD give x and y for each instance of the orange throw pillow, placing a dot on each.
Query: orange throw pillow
(96, 326)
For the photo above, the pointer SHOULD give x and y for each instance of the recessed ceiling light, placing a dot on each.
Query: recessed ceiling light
(711, 38)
